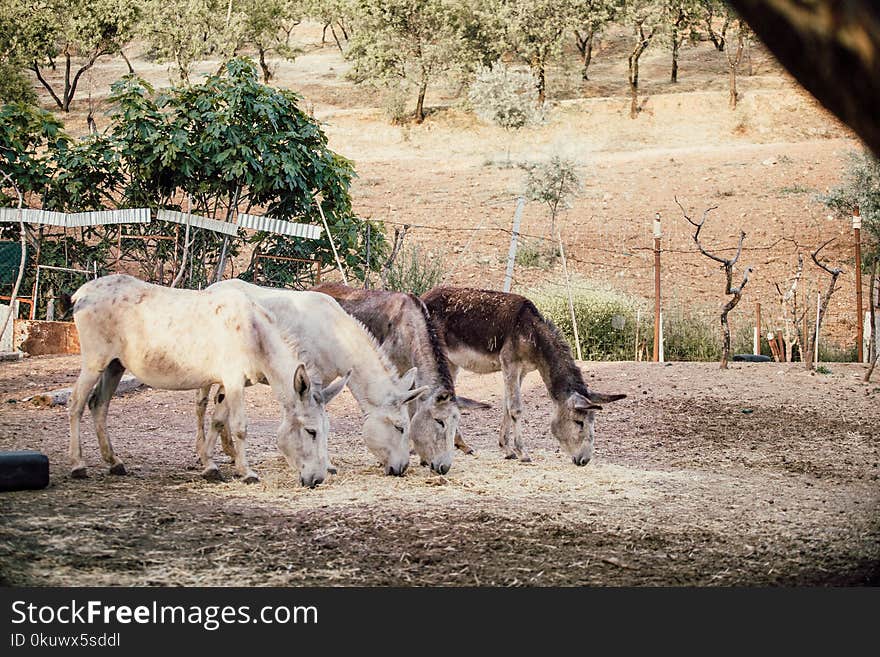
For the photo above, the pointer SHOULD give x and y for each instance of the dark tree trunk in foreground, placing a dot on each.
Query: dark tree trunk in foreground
(832, 47)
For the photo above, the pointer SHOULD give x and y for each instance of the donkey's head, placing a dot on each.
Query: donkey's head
(573, 421)
(302, 435)
(433, 429)
(387, 428)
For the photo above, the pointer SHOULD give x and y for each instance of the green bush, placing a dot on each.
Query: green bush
(414, 272)
(537, 252)
(606, 319)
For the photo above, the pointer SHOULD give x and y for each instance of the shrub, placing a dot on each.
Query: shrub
(414, 272)
(606, 319)
(537, 252)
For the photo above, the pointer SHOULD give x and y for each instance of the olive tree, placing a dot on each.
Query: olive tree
(73, 35)
(503, 96)
(405, 42)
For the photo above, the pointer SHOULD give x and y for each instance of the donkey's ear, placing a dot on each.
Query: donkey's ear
(412, 395)
(301, 382)
(601, 398)
(336, 387)
(408, 380)
(580, 404)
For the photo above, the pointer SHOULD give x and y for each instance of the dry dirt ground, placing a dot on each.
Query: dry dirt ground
(761, 475)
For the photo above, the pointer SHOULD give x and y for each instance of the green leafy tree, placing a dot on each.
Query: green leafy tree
(405, 42)
(534, 33)
(644, 19)
(681, 20)
(228, 144)
(267, 26)
(502, 96)
(333, 15)
(590, 18)
(73, 35)
(860, 188)
(555, 183)
(184, 32)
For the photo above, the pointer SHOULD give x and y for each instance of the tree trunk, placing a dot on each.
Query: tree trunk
(725, 338)
(676, 44)
(420, 103)
(127, 63)
(733, 64)
(641, 46)
(634, 85)
(542, 85)
(585, 46)
(66, 97)
(267, 74)
(731, 99)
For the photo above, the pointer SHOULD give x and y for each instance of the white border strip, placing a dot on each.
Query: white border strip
(198, 221)
(279, 227)
(33, 216)
(104, 217)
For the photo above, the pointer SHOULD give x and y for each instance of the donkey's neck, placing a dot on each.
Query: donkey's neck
(373, 379)
(554, 361)
(428, 353)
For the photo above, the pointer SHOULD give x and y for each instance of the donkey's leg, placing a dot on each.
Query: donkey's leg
(202, 395)
(512, 371)
(237, 424)
(217, 426)
(519, 443)
(459, 441)
(99, 403)
(88, 376)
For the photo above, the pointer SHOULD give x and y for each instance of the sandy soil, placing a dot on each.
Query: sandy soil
(762, 475)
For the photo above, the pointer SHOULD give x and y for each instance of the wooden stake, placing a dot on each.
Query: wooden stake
(860, 316)
(574, 326)
(657, 328)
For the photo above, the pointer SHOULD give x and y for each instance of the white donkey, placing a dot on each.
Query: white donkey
(334, 342)
(184, 340)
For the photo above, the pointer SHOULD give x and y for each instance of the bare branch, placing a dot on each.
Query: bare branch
(834, 272)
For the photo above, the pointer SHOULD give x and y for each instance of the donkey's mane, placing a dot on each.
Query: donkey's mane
(380, 352)
(438, 347)
(565, 376)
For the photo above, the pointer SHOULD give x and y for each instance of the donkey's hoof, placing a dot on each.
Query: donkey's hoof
(332, 470)
(212, 474)
(251, 479)
(510, 457)
(79, 473)
(118, 469)
(423, 463)
(525, 458)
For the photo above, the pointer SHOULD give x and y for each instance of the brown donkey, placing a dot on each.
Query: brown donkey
(401, 324)
(487, 331)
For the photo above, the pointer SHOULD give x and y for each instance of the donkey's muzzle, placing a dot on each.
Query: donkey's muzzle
(395, 471)
(440, 468)
(580, 460)
(311, 482)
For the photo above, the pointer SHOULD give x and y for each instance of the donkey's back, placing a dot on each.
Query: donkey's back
(169, 338)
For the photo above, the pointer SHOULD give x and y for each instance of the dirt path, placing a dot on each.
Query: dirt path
(761, 475)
